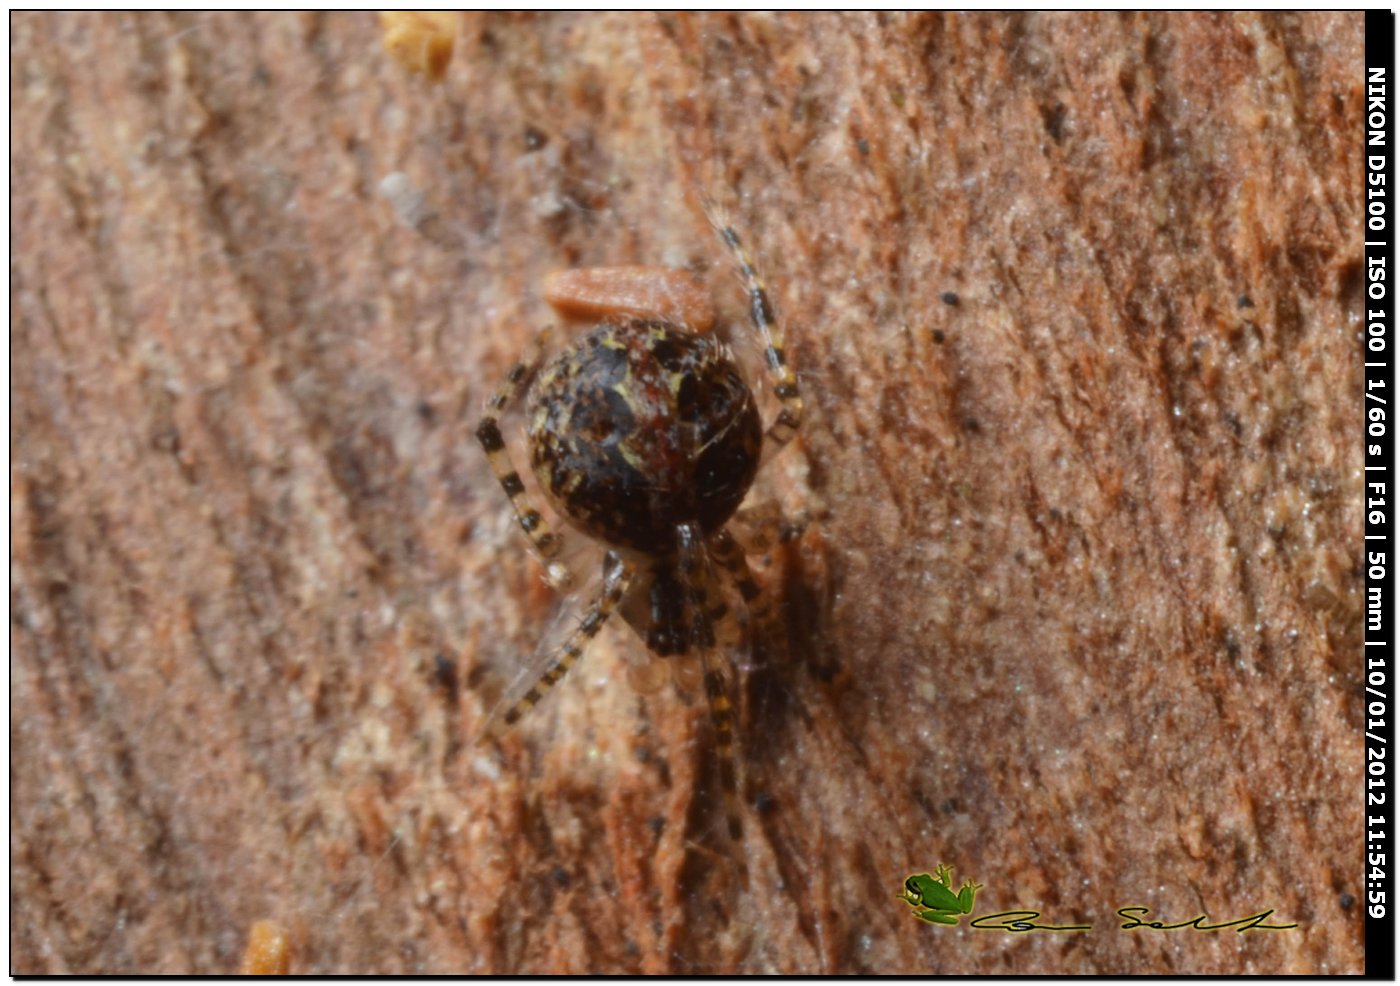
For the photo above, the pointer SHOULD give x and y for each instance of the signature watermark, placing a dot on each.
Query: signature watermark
(933, 900)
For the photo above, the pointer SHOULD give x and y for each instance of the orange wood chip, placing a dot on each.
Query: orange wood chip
(663, 292)
(269, 951)
(420, 40)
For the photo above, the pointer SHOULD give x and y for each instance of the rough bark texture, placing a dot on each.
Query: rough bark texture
(1075, 303)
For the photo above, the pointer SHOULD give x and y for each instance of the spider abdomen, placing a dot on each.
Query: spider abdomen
(641, 427)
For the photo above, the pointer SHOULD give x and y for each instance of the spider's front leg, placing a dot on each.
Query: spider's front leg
(617, 580)
(763, 527)
(763, 617)
(488, 433)
(702, 610)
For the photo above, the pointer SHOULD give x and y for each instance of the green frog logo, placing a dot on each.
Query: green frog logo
(932, 897)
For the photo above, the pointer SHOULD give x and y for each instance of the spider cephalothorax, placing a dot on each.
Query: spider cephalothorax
(644, 436)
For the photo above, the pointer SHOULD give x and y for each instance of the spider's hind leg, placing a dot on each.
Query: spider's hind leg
(785, 388)
(488, 433)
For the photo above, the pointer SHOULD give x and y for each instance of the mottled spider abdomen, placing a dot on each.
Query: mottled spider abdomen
(641, 427)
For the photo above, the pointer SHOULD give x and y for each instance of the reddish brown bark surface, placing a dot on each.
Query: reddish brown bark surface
(1074, 300)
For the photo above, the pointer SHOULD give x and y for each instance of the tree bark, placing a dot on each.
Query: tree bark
(1074, 301)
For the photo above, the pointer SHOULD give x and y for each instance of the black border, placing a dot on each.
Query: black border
(1377, 341)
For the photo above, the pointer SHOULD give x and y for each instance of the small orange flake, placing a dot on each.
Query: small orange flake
(269, 951)
(667, 293)
(420, 41)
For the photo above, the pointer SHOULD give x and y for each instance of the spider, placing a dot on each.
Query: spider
(645, 437)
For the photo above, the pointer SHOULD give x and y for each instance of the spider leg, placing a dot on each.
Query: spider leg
(727, 553)
(763, 527)
(616, 581)
(488, 433)
(785, 388)
(694, 570)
